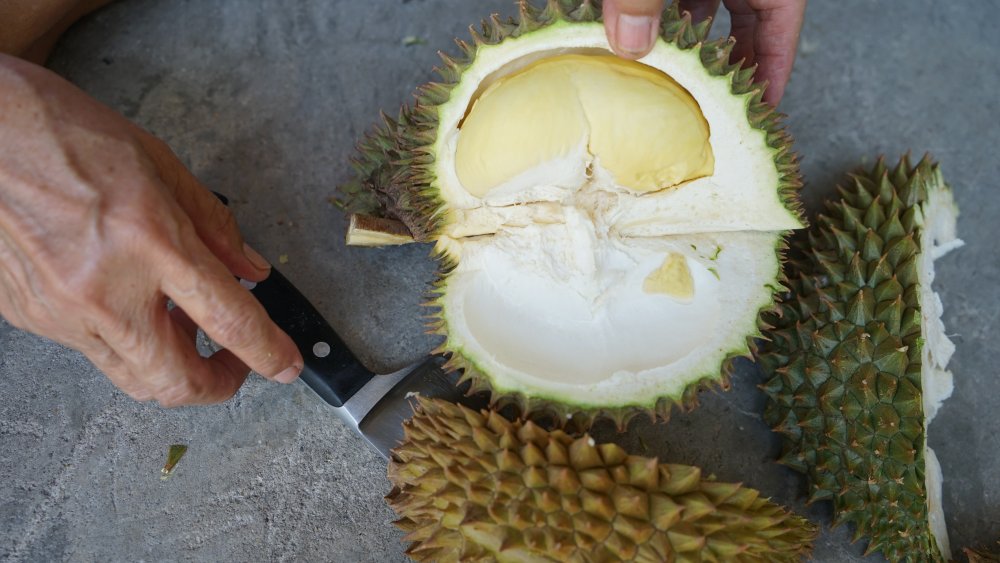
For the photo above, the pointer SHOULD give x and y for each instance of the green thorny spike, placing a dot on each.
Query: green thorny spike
(496, 490)
(393, 161)
(867, 455)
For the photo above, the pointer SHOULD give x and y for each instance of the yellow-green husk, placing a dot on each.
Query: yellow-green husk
(474, 486)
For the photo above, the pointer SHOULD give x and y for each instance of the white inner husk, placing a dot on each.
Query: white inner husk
(937, 238)
(548, 295)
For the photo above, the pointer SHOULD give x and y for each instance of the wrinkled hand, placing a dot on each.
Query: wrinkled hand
(766, 32)
(99, 225)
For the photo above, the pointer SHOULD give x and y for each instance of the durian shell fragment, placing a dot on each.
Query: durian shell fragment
(474, 486)
(844, 359)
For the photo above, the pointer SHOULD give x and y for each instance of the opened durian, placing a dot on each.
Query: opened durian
(858, 354)
(610, 229)
(474, 486)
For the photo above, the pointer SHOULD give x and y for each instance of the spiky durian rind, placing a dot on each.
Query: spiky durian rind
(395, 160)
(474, 486)
(844, 360)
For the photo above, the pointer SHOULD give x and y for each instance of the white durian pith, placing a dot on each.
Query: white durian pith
(936, 239)
(580, 273)
(562, 312)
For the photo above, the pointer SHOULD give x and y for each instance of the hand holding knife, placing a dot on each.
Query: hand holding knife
(373, 405)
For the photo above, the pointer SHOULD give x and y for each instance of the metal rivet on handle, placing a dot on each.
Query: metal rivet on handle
(321, 349)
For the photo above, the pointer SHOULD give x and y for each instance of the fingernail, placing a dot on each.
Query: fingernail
(255, 258)
(289, 375)
(635, 33)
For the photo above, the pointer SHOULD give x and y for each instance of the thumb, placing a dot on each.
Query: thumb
(632, 26)
(214, 222)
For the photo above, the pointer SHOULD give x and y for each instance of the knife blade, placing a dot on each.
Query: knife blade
(374, 406)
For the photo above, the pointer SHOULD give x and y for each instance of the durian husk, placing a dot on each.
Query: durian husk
(394, 159)
(844, 360)
(394, 163)
(475, 486)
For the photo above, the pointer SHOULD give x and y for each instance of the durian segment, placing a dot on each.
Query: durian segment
(474, 486)
(564, 311)
(857, 358)
(740, 193)
(407, 162)
(542, 124)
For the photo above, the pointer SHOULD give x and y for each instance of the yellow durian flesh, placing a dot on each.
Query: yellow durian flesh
(630, 119)
(672, 278)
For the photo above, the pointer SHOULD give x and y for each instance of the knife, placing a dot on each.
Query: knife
(374, 406)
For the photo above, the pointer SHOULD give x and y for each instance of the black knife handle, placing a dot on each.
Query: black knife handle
(330, 369)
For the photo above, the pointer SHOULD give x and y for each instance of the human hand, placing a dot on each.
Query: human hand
(766, 32)
(99, 225)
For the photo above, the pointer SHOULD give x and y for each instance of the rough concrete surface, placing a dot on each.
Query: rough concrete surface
(264, 101)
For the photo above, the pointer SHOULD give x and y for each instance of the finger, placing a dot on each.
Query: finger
(700, 9)
(166, 366)
(184, 322)
(111, 364)
(214, 222)
(632, 26)
(228, 313)
(776, 41)
(742, 28)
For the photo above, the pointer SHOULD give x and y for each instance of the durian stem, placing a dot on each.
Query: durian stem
(365, 230)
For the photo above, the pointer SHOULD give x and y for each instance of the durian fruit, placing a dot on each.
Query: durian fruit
(858, 354)
(474, 486)
(609, 229)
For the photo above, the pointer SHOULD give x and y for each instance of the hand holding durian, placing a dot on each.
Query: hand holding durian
(766, 32)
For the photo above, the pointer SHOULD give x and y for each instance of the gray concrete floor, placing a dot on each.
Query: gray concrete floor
(264, 100)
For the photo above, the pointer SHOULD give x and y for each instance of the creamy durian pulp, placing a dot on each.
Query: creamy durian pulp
(640, 128)
(613, 239)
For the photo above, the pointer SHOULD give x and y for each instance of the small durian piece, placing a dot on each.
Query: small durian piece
(672, 278)
(474, 486)
(857, 358)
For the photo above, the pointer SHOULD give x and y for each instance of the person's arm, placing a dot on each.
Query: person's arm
(101, 225)
(766, 32)
(29, 29)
